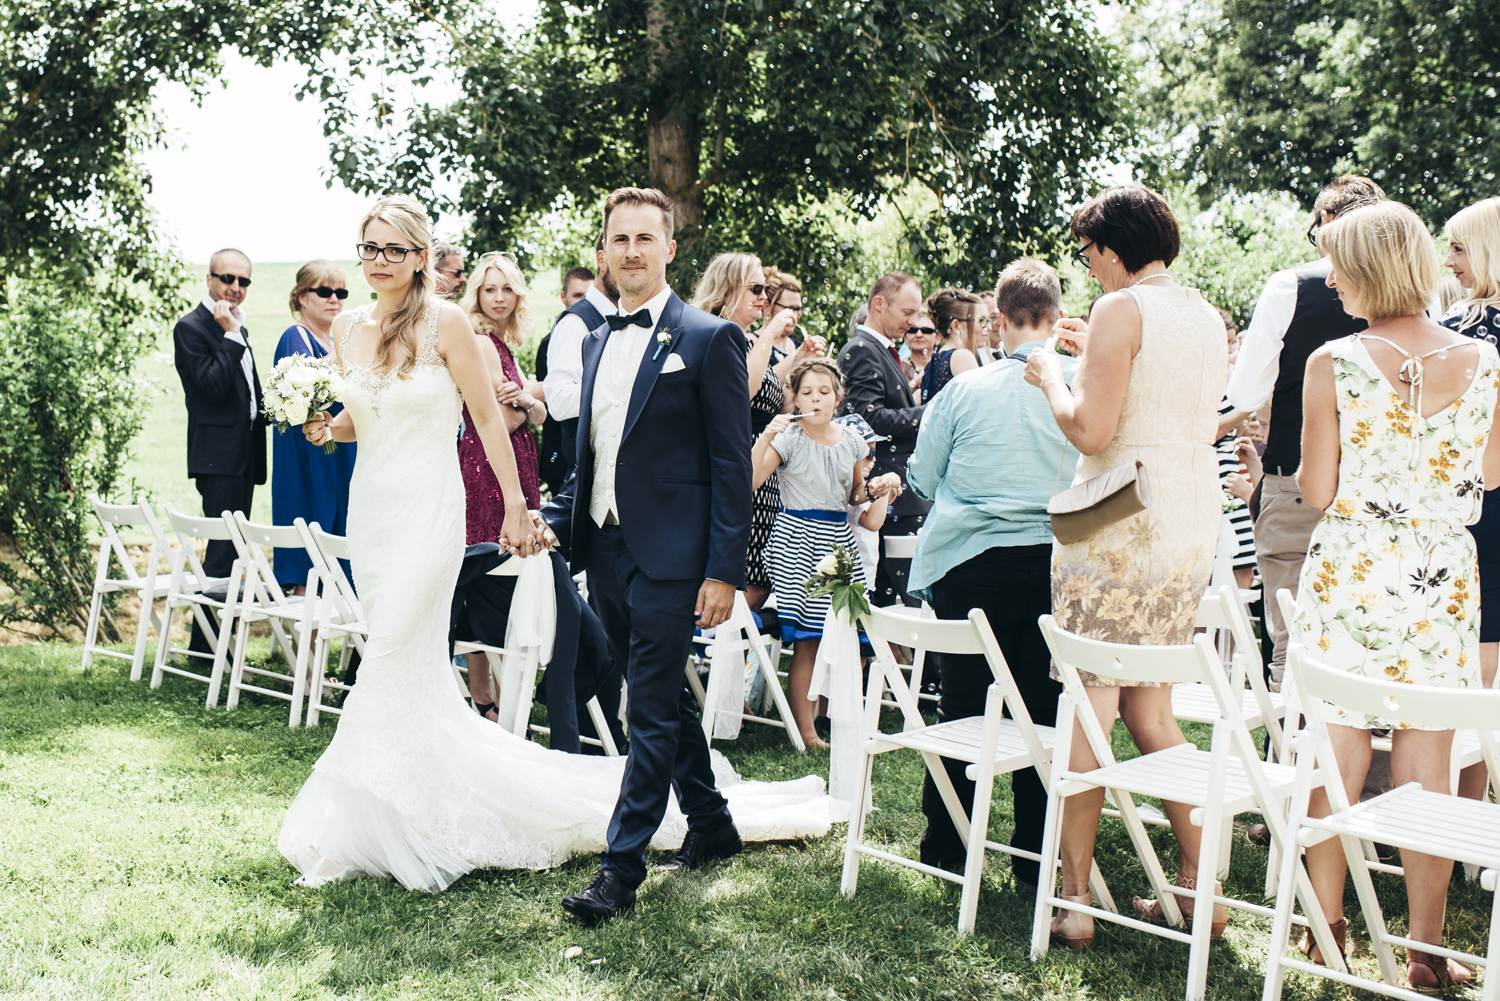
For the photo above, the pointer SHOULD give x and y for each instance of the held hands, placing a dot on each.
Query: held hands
(511, 394)
(519, 535)
(318, 428)
(544, 531)
(224, 317)
(887, 486)
(715, 601)
(778, 424)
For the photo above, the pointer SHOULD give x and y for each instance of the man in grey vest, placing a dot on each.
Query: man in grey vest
(1296, 314)
(564, 364)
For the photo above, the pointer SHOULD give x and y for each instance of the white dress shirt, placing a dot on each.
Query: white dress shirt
(564, 382)
(1259, 361)
(885, 341)
(613, 383)
(246, 363)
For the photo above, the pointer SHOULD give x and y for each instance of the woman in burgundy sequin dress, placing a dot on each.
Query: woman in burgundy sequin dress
(497, 308)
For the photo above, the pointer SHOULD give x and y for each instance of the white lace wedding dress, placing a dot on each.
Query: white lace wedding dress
(415, 784)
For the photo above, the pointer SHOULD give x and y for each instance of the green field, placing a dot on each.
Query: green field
(139, 861)
(158, 460)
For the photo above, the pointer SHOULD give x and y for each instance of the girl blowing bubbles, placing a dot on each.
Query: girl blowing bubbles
(822, 473)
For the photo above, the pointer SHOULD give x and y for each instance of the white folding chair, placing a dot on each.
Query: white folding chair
(747, 641)
(340, 615)
(144, 581)
(1225, 780)
(991, 744)
(192, 589)
(1407, 817)
(513, 678)
(267, 602)
(904, 547)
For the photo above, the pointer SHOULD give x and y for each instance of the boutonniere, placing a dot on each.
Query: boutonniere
(663, 338)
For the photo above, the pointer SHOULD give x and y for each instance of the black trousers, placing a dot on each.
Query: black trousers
(220, 494)
(1012, 585)
(650, 623)
(891, 575)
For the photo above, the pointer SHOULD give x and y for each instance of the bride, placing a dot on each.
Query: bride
(414, 784)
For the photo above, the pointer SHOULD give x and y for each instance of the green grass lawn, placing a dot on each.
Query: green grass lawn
(139, 861)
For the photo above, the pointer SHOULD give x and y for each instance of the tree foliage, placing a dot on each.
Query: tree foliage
(1267, 95)
(87, 277)
(767, 120)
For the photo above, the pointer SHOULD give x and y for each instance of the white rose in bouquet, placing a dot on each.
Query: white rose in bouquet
(296, 412)
(300, 387)
(302, 376)
(828, 565)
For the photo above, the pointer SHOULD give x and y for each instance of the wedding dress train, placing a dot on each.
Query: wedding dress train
(415, 784)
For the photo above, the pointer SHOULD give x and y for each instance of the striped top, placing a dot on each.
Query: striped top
(817, 477)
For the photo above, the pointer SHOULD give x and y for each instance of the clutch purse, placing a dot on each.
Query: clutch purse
(1098, 502)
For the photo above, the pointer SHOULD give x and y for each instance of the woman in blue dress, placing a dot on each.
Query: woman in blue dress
(956, 314)
(306, 483)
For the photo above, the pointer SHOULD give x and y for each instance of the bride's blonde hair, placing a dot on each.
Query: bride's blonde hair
(406, 216)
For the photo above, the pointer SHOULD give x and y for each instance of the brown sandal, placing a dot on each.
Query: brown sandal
(1150, 910)
(1072, 929)
(1441, 977)
(1309, 948)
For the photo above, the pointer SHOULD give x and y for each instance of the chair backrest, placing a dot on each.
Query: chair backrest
(189, 528)
(1421, 705)
(1122, 661)
(111, 518)
(1288, 606)
(934, 635)
(900, 547)
(325, 551)
(255, 539)
(1225, 610)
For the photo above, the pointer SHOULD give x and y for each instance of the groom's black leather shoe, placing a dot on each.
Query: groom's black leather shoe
(698, 849)
(607, 896)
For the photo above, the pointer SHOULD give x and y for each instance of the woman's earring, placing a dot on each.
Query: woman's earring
(1114, 259)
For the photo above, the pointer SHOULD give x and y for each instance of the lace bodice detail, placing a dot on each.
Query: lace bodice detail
(376, 384)
(1396, 464)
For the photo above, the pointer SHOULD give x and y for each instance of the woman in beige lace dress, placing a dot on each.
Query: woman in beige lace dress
(1148, 388)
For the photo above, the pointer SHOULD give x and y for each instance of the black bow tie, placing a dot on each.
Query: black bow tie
(641, 317)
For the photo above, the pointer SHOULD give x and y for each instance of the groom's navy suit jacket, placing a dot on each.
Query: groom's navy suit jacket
(683, 473)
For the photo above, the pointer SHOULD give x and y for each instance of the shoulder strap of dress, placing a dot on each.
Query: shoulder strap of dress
(428, 353)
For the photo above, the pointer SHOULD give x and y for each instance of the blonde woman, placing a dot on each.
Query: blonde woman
(1396, 442)
(734, 287)
(305, 482)
(495, 303)
(1474, 257)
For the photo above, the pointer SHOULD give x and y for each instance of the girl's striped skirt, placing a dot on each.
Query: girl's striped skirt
(799, 541)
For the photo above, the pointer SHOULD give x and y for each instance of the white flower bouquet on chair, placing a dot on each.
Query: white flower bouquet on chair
(299, 387)
(836, 671)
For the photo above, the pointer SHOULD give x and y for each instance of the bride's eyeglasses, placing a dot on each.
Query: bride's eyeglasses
(393, 255)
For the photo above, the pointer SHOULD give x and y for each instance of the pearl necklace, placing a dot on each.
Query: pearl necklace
(1159, 274)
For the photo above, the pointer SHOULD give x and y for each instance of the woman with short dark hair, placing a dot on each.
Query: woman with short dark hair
(1147, 390)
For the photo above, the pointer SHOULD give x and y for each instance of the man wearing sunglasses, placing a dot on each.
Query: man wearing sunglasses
(226, 434)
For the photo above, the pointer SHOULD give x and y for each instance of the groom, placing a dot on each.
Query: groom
(658, 512)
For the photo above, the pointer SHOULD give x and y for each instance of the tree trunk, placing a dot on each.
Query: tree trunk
(674, 139)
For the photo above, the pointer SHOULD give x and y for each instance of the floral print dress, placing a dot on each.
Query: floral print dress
(1390, 588)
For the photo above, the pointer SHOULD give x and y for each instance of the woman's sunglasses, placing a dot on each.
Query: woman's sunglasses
(323, 292)
(231, 279)
(920, 330)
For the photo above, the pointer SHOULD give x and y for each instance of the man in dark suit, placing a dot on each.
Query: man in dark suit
(877, 390)
(226, 434)
(658, 511)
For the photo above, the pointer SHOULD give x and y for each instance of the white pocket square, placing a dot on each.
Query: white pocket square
(673, 364)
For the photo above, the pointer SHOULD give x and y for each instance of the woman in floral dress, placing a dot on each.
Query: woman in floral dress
(1397, 450)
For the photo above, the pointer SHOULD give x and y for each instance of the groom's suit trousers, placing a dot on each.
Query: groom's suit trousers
(649, 624)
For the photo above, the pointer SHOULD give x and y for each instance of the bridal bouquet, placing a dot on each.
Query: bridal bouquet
(836, 575)
(299, 387)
